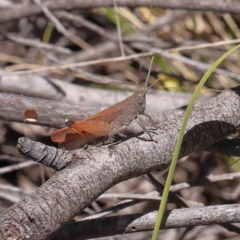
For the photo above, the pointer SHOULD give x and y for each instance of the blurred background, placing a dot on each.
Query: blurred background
(96, 57)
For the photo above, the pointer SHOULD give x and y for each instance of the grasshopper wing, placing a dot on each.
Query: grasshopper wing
(63, 135)
(94, 127)
(70, 139)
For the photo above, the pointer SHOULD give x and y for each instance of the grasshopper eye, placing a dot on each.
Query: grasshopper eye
(69, 122)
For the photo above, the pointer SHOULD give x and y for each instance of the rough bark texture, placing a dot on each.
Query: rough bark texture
(97, 169)
(49, 156)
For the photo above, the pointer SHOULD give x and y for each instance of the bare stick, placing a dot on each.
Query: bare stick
(81, 64)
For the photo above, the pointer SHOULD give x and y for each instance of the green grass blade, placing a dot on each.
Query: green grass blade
(48, 32)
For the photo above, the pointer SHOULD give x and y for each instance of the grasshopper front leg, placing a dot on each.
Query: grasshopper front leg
(145, 129)
(153, 123)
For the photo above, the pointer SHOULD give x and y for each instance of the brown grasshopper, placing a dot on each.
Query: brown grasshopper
(106, 123)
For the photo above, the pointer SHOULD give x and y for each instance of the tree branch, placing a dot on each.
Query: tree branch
(50, 113)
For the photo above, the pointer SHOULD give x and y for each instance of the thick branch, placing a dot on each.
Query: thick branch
(97, 169)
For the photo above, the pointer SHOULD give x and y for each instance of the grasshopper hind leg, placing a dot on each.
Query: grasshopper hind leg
(119, 131)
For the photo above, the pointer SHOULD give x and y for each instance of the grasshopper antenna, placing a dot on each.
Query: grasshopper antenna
(149, 71)
(151, 85)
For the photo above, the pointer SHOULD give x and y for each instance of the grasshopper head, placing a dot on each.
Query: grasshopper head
(139, 101)
(139, 98)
